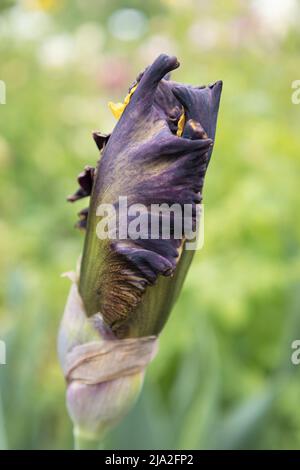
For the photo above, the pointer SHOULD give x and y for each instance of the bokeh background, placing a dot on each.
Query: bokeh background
(223, 377)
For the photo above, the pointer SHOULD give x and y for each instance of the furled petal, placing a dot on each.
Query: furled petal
(100, 139)
(85, 180)
(148, 163)
(201, 104)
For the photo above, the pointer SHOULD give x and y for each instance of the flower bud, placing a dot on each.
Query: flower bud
(157, 154)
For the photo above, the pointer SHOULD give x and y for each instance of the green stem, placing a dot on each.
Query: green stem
(85, 442)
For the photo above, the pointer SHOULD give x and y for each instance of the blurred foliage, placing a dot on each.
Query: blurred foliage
(223, 377)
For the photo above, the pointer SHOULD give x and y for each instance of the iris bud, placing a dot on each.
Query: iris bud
(157, 154)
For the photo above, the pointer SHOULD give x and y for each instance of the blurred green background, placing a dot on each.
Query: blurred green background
(223, 377)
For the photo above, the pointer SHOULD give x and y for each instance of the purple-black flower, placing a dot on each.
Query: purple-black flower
(156, 157)
(157, 153)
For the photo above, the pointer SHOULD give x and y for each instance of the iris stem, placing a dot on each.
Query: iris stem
(85, 442)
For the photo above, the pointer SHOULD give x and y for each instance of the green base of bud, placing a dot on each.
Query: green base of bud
(83, 441)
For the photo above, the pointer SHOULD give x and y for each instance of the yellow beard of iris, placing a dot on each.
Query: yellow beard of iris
(118, 108)
(181, 124)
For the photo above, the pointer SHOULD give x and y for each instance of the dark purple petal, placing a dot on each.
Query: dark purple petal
(83, 216)
(85, 180)
(201, 104)
(100, 139)
(146, 162)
